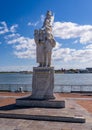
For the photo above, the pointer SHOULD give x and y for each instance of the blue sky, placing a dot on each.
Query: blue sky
(72, 30)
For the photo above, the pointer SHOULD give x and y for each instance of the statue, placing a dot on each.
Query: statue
(43, 76)
(45, 41)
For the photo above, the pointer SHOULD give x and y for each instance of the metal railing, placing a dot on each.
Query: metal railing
(57, 88)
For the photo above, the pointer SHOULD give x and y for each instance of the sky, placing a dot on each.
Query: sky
(72, 30)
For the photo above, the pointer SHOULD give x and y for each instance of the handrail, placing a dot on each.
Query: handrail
(57, 87)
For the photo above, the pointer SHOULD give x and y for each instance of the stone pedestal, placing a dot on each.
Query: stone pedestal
(43, 83)
(42, 90)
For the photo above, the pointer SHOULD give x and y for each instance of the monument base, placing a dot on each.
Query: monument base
(42, 90)
(42, 83)
(28, 109)
(27, 102)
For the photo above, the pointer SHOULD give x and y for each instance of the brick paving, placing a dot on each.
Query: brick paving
(18, 124)
(87, 104)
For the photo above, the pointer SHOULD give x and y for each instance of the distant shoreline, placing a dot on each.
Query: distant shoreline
(30, 72)
(16, 72)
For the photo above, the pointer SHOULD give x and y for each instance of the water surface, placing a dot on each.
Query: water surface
(63, 79)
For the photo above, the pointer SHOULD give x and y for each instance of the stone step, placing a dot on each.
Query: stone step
(40, 103)
(43, 118)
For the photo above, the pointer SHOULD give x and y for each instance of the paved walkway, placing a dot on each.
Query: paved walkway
(73, 108)
(79, 98)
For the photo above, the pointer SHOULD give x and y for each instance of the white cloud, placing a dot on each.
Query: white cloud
(64, 54)
(68, 30)
(3, 27)
(9, 30)
(86, 37)
(25, 43)
(83, 55)
(15, 68)
(36, 23)
(42, 18)
(67, 55)
(33, 24)
(72, 58)
(26, 48)
(17, 40)
(12, 36)
(89, 47)
(76, 41)
(13, 28)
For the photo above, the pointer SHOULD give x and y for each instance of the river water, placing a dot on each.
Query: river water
(64, 79)
(12, 81)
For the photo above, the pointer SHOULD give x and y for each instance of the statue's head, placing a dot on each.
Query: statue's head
(49, 13)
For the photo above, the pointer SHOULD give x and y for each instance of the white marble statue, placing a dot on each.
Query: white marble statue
(44, 41)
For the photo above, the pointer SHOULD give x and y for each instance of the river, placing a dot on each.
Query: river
(11, 79)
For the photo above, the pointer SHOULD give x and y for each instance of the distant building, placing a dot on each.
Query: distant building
(89, 70)
(83, 71)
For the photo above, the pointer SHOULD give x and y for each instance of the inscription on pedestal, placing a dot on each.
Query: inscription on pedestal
(43, 83)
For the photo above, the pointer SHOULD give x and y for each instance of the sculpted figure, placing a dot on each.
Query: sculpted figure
(44, 42)
(39, 47)
(49, 44)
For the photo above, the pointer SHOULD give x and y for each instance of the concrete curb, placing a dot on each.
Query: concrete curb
(43, 118)
(40, 103)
